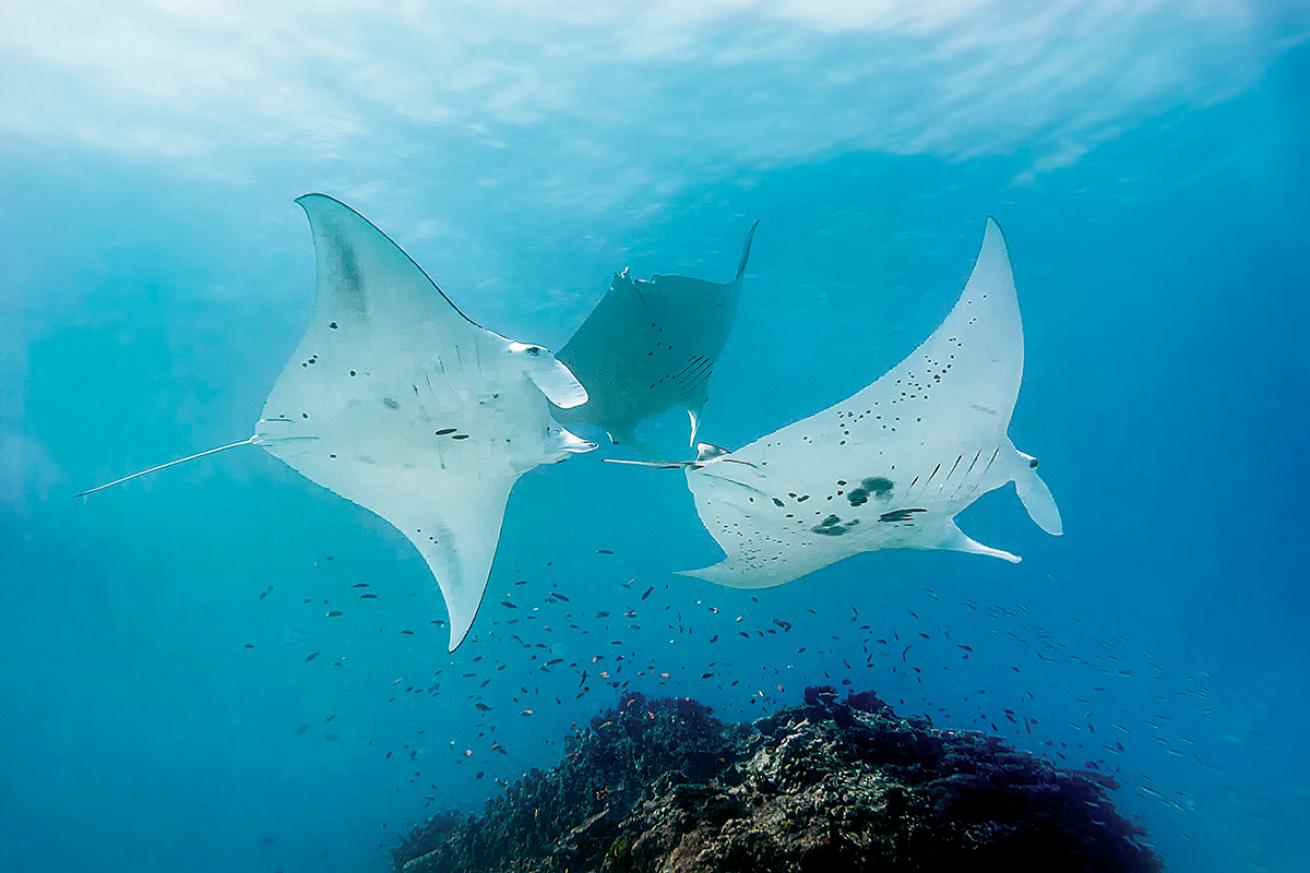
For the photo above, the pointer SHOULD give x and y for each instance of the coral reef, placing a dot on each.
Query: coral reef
(831, 785)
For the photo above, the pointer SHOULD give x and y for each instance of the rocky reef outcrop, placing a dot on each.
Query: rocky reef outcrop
(831, 785)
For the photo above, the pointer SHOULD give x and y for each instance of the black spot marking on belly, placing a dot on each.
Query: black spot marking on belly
(445, 430)
(879, 486)
(390, 403)
(833, 526)
(899, 514)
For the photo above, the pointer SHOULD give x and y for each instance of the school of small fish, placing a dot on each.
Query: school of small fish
(573, 652)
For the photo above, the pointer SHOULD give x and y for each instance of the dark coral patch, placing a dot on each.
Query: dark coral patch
(652, 777)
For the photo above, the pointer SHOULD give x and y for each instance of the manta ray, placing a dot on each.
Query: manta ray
(397, 401)
(889, 467)
(649, 346)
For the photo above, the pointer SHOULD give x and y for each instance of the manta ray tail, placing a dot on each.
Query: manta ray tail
(746, 250)
(155, 469)
(657, 465)
(1037, 499)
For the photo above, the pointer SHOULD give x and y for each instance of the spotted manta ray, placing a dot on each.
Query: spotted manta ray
(889, 467)
(397, 401)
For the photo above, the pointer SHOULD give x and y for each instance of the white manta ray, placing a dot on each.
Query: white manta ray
(651, 346)
(889, 467)
(397, 401)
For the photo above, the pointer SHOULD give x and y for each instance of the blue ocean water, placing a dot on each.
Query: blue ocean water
(158, 707)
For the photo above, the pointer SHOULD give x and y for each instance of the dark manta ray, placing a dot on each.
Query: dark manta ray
(397, 401)
(890, 466)
(649, 346)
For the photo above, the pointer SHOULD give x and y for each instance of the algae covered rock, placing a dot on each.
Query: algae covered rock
(831, 785)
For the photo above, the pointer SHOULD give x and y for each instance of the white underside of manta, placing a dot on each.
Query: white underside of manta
(397, 401)
(890, 466)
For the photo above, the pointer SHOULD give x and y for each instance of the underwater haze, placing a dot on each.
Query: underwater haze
(190, 677)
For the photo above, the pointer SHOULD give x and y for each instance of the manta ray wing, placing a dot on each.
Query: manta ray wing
(453, 519)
